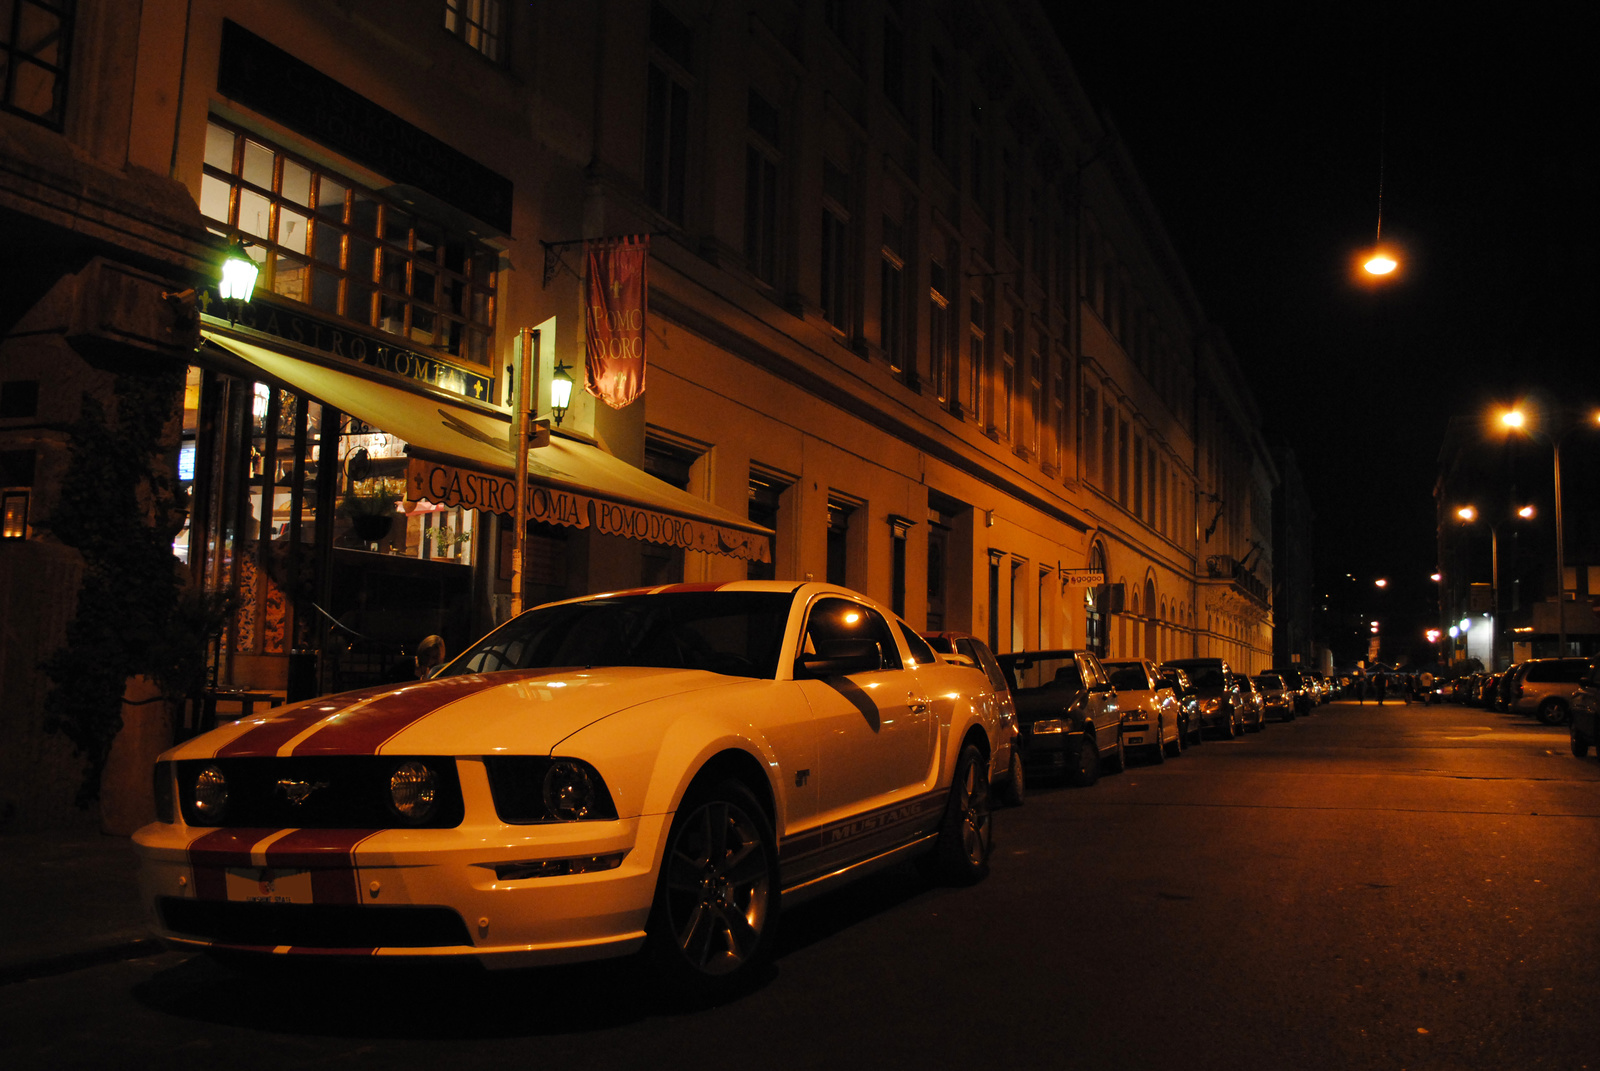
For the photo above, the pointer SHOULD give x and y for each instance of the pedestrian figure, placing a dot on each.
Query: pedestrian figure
(1426, 680)
(1381, 683)
(1359, 683)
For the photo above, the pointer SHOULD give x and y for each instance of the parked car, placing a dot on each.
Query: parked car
(1252, 707)
(655, 769)
(1276, 699)
(1069, 713)
(1152, 720)
(1300, 686)
(1011, 786)
(1545, 688)
(1217, 688)
(1188, 702)
(1584, 726)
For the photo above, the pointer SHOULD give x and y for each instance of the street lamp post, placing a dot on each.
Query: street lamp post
(1469, 514)
(1517, 420)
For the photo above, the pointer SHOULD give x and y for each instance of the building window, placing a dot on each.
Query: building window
(761, 189)
(840, 17)
(324, 241)
(836, 273)
(939, 334)
(1058, 415)
(1108, 447)
(1089, 429)
(19, 398)
(978, 356)
(892, 296)
(1036, 405)
(900, 527)
(480, 23)
(939, 110)
(1138, 478)
(35, 43)
(666, 125)
(894, 57)
(672, 463)
(979, 152)
(1122, 463)
(1008, 381)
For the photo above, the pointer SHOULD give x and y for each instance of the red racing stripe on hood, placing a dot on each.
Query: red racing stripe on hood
(362, 731)
(278, 729)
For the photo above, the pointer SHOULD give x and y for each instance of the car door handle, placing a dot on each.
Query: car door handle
(917, 704)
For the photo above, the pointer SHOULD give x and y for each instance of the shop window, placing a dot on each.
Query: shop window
(480, 23)
(324, 241)
(16, 490)
(766, 494)
(35, 44)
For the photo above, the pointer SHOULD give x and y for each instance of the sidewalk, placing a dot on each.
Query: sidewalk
(68, 899)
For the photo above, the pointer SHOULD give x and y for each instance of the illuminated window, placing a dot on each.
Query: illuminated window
(480, 23)
(326, 242)
(16, 484)
(35, 41)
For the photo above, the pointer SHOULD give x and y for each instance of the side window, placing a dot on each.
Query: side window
(921, 653)
(840, 619)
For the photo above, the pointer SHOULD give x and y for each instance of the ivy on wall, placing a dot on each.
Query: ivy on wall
(120, 506)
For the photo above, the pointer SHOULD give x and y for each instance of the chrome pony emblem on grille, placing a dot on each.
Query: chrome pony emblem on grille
(297, 792)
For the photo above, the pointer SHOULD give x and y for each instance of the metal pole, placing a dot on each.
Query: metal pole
(525, 367)
(1561, 562)
(1494, 595)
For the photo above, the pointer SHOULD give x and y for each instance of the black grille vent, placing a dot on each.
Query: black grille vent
(314, 925)
(337, 792)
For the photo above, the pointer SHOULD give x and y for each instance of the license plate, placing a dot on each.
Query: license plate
(258, 885)
(1135, 740)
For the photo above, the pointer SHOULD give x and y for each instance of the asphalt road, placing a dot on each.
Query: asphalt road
(1364, 888)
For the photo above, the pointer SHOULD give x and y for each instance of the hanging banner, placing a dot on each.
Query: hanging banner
(616, 318)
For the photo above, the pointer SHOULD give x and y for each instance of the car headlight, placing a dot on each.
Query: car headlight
(1049, 726)
(413, 791)
(210, 794)
(569, 792)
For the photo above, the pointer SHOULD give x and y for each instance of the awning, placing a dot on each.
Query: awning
(459, 455)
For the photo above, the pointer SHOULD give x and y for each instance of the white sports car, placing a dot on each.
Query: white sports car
(645, 769)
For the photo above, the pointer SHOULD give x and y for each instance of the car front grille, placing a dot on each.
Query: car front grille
(313, 925)
(333, 792)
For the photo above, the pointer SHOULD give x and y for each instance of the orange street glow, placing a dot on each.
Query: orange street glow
(1525, 512)
(1513, 418)
(1467, 513)
(1381, 264)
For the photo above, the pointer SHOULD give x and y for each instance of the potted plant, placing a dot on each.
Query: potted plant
(370, 507)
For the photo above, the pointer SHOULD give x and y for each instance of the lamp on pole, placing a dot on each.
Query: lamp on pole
(1517, 420)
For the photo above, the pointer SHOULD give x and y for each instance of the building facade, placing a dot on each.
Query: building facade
(913, 326)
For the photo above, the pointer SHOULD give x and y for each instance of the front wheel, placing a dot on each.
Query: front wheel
(1552, 712)
(1085, 761)
(1158, 753)
(966, 836)
(1119, 756)
(717, 897)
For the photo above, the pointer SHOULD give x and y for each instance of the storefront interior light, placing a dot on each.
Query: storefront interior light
(560, 392)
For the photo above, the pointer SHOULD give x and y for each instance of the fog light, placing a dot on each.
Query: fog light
(413, 790)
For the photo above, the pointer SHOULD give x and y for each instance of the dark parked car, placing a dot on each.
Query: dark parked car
(1584, 727)
(965, 647)
(1067, 710)
(1216, 685)
(1298, 684)
(1276, 698)
(1188, 702)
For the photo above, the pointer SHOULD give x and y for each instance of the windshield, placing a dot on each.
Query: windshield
(1128, 678)
(734, 632)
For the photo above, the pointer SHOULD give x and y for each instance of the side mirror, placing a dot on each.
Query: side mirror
(840, 658)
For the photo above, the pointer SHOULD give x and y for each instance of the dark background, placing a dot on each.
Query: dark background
(1261, 133)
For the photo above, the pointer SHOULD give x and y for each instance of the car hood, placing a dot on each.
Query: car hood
(513, 712)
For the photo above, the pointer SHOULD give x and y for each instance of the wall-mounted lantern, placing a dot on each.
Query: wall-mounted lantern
(560, 392)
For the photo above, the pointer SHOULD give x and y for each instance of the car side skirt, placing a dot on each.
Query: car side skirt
(813, 887)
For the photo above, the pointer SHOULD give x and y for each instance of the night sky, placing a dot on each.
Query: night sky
(1261, 132)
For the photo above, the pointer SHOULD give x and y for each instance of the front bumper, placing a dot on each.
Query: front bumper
(405, 892)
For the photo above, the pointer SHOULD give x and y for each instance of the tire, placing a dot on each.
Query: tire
(1176, 748)
(1230, 728)
(1119, 756)
(1256, 726)
(1580, 743)
(1158, 753)
(1015, 790)
(1552, 712)
(1198, 728)
(716, 901)
(966, 836)
(1086, 770)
